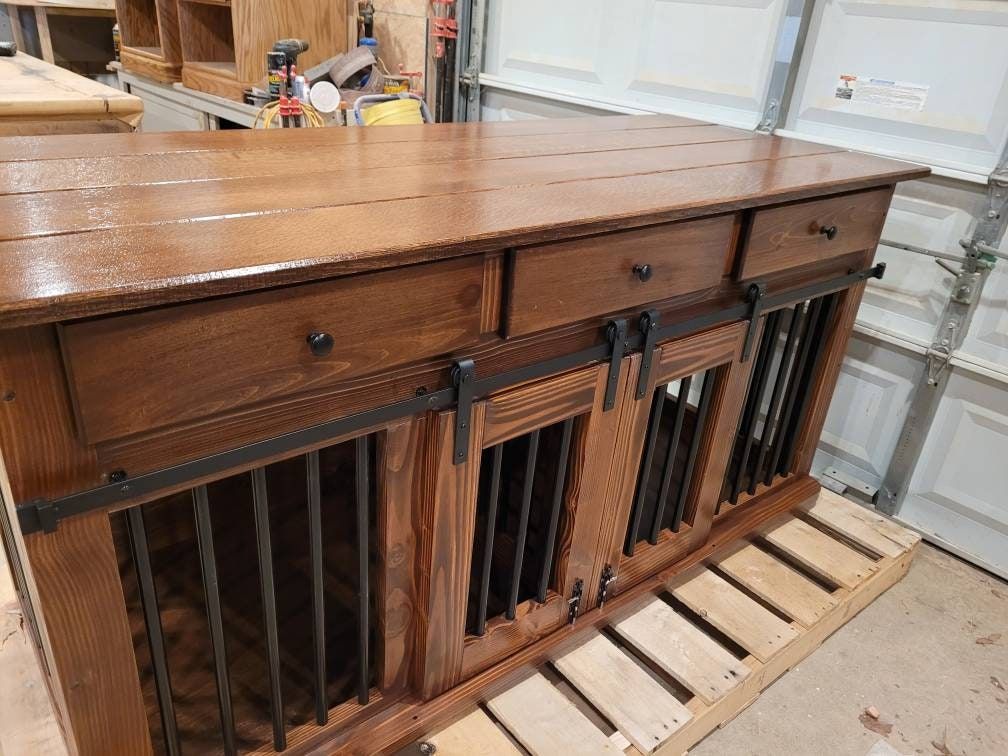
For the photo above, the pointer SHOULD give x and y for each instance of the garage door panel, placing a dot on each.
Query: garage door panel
(869, 406)
(957, 491)
(963, 118)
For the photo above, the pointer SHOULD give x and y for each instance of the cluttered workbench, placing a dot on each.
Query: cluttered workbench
(312, 434)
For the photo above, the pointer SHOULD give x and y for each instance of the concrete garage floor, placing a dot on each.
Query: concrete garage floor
(931, 655)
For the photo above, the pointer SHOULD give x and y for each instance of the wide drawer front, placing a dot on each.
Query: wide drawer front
(136, 372)
(807, 232)
(564, 282)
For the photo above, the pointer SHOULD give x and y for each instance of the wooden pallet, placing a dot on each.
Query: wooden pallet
(676, 665)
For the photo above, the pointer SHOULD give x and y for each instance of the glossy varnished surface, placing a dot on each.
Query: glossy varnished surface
(103, 224)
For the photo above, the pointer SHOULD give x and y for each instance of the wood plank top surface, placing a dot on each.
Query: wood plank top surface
(106, 223)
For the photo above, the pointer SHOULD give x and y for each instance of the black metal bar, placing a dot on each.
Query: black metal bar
(558, 491)
(770, 426)
(649, 332)
(703, 409)
(617, 333)
(644, 476)
(764, 363)
(318, 586)
(211, 592)
(523, 520)
(808, 379)
(363, 585)
(463, 376)
(155, 633)
(35, 516)
(488, 541)
(682, 402)
(267, 590)
(794, 384)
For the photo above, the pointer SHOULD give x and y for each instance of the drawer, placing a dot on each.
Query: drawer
(140, 371)
(565, 282)
(807, 232)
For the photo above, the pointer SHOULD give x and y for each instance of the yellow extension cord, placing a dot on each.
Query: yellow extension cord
(269, 113)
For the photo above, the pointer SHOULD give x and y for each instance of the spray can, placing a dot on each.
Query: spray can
(275, 62)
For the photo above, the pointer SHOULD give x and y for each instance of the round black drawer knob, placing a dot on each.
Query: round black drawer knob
(829, 232)
(643, 272)
(320, 343)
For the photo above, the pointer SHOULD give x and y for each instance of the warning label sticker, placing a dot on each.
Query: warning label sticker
(900, 95)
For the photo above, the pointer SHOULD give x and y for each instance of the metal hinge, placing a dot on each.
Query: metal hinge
(608, 578)
(462, 375)
(648, 327)
(574, 602)
(617, 334)
(755, 299)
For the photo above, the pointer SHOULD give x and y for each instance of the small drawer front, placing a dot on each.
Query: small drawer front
(136, 372)
(565, 282)
(807, 232)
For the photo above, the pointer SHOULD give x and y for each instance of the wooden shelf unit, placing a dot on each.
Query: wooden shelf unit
(149, 30)
(224, 42)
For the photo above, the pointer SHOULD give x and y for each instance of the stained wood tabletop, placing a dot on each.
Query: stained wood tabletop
(99, 224)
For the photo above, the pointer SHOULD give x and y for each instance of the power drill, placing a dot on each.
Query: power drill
(280, 62)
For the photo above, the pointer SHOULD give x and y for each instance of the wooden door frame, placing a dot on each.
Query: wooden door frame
(445, 654)
(720, 348)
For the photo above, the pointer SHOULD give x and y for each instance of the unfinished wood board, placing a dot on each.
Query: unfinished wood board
(40, 98)
(648, 628)
(820, 553)
(545, 722)
(843, 518)
(776, 583)
(755, 628)
(682, 650)
(473, 735)
(646, 713)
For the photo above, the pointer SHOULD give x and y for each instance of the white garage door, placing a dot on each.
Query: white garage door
(924, 80)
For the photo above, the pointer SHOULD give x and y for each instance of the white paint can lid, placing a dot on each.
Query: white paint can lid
(325, 97)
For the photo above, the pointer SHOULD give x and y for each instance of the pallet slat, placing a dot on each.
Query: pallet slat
(545, 722)
(755, 628)
(844, 515)
(682, 650)
(820, 553)
(473, 735)
(773, 581)
(629, 697)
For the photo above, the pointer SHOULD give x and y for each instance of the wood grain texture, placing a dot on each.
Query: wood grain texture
(782, 237)
(196, 360)
(399, 456)
(780, 586)
(493, 293)
(473, 735)
(616, 153)
(819, 553)
(520, 410)
(239, 140)
(118, 264)
(640, 708)
(570, 281)
(81, 600)
(447, 500)
(682, 650)
(526, 709)
(755, 628)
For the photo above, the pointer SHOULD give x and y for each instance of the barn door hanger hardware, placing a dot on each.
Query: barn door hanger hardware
(754, 298)
(463, 376)
(616, 332)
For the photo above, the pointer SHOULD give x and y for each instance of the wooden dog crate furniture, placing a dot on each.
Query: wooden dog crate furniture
(224, 42)
(149, 30)
(312, 436)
